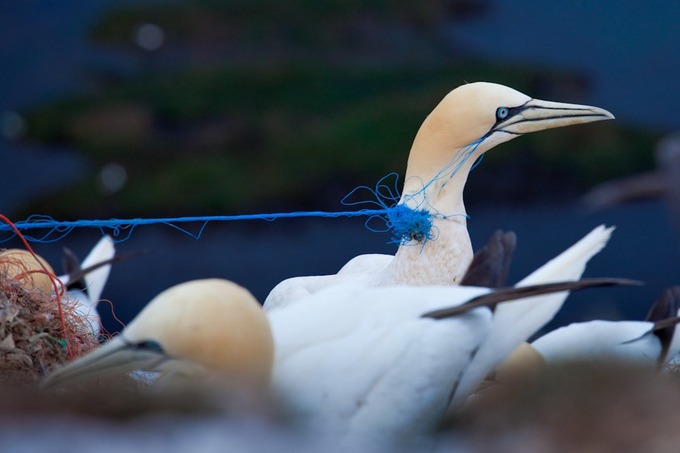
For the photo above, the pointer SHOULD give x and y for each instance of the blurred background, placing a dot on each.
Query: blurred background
(142, 108)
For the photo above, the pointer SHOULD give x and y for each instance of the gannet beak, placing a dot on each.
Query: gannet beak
(537, 115)
(116, 356)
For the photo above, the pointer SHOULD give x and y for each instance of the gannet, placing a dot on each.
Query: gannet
(85, 282)
(191, 330)
(649, 342)
(652, 341)
(363, 365)
(386, 363)
(469, 121)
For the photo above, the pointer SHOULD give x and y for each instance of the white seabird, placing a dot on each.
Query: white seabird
(652, 341)
(469, 121)
(364, 365)
(84, 282)
(361, 366)
(190, 330)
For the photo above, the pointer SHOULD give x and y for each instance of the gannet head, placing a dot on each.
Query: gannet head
(200, 326)
(475, 117)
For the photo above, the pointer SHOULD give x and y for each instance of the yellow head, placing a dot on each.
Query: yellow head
(213, 322)
(478, 116)
(209, 325)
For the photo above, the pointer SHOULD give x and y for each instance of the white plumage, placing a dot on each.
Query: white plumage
(360, 366)
(513, 323)
(637, 341)
(653, 341)
(363, 365)
(608, 340)
(86, 300)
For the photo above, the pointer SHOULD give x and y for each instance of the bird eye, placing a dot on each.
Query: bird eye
(502, 113)
(150, 345)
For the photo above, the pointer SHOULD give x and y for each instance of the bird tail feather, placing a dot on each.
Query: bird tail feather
(96, 279)
(514, 323)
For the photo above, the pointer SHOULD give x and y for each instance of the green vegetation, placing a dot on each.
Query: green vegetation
(299, 129)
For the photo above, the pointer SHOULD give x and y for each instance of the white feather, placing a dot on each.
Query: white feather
(622, 340)
(362, 364)
(86, 302)
(96, 280)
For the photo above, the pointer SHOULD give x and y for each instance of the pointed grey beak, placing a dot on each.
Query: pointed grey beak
(537, 115)
(115, 356)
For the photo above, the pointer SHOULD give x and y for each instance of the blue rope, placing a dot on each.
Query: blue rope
(405, 223)
(121, 229)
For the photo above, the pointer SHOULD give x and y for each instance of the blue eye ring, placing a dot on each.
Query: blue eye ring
(502, 113)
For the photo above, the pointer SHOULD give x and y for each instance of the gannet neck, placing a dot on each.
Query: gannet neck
(440, 261)
(441, 191)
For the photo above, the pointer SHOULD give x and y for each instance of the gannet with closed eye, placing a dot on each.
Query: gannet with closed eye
(469, 121)
(194, 329)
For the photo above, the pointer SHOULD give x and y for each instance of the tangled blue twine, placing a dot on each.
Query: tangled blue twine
(409, 224)
(405, 224)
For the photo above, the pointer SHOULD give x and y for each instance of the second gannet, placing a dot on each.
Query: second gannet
(194, 329)
(652, 341)
(469, 121)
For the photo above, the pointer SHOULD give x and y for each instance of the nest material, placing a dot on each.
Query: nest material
(32, 335)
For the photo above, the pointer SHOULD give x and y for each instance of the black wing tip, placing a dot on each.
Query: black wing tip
(491, 264)
(666, 305)
(664, 314)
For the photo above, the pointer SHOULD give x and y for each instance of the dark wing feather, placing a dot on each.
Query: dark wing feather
(491, 264)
